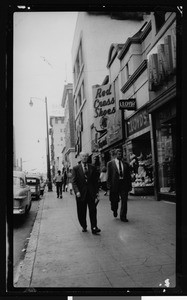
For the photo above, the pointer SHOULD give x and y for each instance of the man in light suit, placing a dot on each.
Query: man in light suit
(119, 184)
(85, 181)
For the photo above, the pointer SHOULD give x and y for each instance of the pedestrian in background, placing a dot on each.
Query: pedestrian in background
(103, 179)
(59, 182)
(69, 181)
(64, 174)
(85, 181)
(119, 184)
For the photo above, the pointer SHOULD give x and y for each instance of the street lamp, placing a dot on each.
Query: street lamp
(49, 183)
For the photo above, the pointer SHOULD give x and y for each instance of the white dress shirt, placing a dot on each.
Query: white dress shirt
(117, 164)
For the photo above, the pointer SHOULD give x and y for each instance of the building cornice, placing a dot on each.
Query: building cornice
(138, 38)
(134, 76)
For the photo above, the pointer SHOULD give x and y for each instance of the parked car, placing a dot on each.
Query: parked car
(33, 181)
(21, 193)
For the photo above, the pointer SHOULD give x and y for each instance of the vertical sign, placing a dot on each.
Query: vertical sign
(104, 105)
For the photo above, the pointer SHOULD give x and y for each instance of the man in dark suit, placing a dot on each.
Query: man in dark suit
(85, 181)
(119, 184)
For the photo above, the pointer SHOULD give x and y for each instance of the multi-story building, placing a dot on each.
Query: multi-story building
(142, 74)
(69, 126)
(93, 36)
(57, 142)
(128, 128)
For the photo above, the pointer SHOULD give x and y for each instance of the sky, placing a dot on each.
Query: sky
(41, 66)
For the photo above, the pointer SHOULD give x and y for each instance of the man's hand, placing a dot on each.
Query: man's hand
(78, 194)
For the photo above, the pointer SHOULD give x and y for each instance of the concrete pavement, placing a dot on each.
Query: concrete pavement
(137, 254)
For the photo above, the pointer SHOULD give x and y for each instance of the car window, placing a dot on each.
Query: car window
(31, 180)
(18, 181)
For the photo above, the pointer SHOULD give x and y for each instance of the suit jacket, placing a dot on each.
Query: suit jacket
(113, 177)
(81, 185)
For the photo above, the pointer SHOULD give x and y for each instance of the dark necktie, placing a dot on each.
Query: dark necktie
(120, 169)
(85, 171)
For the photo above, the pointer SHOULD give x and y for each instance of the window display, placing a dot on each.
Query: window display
(141, 170)
(140, 159)
(166, 157)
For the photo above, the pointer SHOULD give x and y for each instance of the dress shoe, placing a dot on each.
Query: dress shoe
(84, 230)
(61, 197)
(115, 214)
(124, 220)
(95, 230)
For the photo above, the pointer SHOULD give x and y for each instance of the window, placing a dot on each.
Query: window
(166, 150)
(159, 19)
(78, 63)
(127, 71)
(80, 98)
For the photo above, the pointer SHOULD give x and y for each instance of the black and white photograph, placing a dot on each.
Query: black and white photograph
(95, 144)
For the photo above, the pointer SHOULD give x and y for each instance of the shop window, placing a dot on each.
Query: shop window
(140, 157)
(166, 149)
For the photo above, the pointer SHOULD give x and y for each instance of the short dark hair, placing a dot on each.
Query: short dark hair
(118, 149)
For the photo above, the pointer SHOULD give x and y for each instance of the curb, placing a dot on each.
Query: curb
(23, 278)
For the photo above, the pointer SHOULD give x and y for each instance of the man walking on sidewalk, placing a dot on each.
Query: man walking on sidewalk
(59, 182)
(85, 181)
(119, 184)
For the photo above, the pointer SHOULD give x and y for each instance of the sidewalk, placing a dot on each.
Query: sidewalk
(140, 253)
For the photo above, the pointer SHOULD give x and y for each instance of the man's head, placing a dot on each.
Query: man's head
(119, 153)
(84, 157)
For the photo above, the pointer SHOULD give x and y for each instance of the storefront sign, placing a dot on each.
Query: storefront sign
(162, 64)
(138, 122)
(104, 105)
(114, 128)
(102, 142)
(129, 104)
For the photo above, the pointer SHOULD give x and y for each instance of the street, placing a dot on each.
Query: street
(140, 253)
(21, 234)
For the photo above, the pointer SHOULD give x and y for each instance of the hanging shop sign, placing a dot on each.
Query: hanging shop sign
(138, 122)
(102, 142)
(104, 105)
(162, 64)
(129, 104)
(114, 128)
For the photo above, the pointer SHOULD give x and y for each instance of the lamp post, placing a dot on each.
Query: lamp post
(49, 183)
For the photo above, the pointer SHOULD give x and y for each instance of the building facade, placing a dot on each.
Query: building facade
(129, 127)
(93, 36)
(69, 126)
(163, 99)
(142, 81)
(57, 142)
